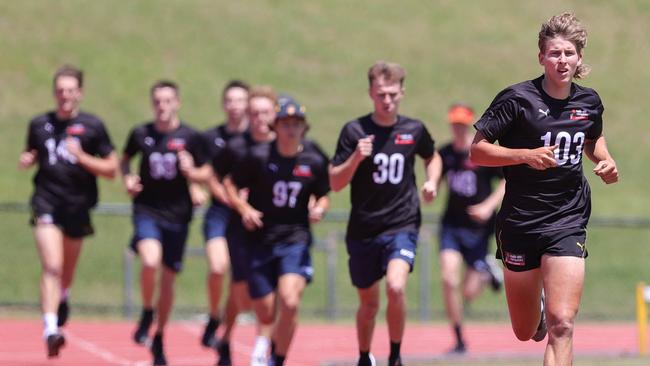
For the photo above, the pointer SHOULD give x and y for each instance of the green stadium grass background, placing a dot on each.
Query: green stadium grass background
(319, 52)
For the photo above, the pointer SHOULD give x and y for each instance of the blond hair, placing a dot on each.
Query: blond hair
(263, 91)
(390, 71)
(567, 26)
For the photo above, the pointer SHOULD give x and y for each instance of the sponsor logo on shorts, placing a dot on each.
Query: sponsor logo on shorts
(308, 270)
(406, 253)
(45, 219)
(581, 246)
(515, 259)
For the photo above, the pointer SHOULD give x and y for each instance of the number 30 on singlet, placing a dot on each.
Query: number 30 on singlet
(564, 141)
(389, 168)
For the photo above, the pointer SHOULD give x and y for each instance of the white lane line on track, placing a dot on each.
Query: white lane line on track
(102, 353)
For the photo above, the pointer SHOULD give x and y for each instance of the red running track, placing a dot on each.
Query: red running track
(109, 343)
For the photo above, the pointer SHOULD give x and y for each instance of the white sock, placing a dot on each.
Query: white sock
(49, 323)
(261, 347)
(65, 293)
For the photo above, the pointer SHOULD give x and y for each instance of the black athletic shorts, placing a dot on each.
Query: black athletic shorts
(523, 251)
(75, 223)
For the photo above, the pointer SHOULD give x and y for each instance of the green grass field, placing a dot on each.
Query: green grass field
(319, 52)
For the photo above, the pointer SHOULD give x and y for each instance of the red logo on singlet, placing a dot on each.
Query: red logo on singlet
(176, 144)
(578, 114)
(76, 129)
(302, 171)
(404, 139)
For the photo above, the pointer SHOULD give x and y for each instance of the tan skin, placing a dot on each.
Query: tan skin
(58, 252)
(451, 261)
(561, 278)
(385, 96)
(290, 132)
(165, 104)
(235, 106)
(261, 114)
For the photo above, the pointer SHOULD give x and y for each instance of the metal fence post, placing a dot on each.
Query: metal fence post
(332, 253)
(424, 273)
(128, 306)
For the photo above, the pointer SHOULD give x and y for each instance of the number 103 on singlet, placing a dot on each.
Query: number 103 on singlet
(566, 144)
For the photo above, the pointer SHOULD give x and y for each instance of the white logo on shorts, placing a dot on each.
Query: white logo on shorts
(45, 219)
(407, 253)
(309, 270)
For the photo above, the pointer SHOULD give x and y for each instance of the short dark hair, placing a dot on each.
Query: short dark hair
(234, 83)
(162, 83)
(69, 70)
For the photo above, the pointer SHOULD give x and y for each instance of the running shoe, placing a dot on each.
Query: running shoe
(54, 344)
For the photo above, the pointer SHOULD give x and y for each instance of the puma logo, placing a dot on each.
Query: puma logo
(545, 113)
(581, 246)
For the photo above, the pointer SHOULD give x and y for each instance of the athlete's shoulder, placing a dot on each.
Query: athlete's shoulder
(210, 132)
(312, 148)
(446, 149)
(312, 145)
(89, 119)
(357, 125)
(144, 128)
(217, 131)
(187, 128)
(43, 118)
(519, 90)
(410, 122)
(517, 94)
(586, 94)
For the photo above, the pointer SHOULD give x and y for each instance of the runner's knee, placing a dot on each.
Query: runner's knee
(369, 308)
(52, 270)
(289, 303)
(395, 291)
(560, 326)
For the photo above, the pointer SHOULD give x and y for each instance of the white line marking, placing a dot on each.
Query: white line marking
(102, 353)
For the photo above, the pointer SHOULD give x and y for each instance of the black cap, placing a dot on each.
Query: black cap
(289, 107)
